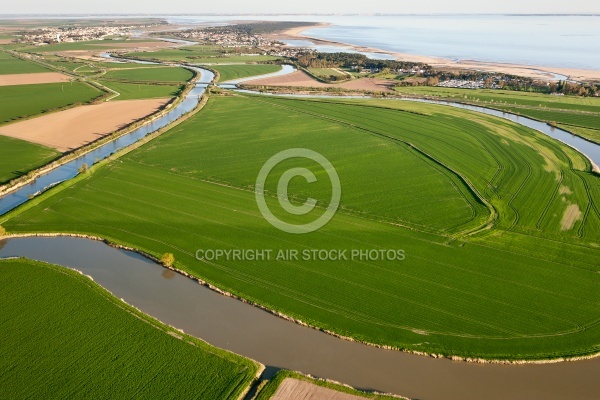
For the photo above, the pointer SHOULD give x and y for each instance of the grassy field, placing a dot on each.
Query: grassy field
(231, 72)
(132, 91)
(13, 65)
(28, 100)
(199, 54)
(422, 178)
(580, 115)
(159, 74)
(17, 157)
(269, 390)
(63, 336)
(326, 72)
(93, 45)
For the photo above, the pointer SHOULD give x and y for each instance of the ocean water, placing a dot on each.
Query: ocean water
(552, 41)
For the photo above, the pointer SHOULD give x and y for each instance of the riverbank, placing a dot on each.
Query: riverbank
(177, 301)
(529, 71)
(92, 152)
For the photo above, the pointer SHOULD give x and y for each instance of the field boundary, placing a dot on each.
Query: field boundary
(152, 321)
(23, 180)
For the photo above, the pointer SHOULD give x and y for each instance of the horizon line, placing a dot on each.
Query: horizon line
(284, 14)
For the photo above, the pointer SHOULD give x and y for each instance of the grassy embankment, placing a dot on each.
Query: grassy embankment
(419, 178)
(63, 336)
(579, 115)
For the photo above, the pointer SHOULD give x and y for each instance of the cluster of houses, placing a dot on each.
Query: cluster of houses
(397, 71)
(52, 35)
(466, 84)
(226, 37)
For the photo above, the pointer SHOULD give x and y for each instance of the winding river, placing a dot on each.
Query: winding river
(231, 324)
(251, 332)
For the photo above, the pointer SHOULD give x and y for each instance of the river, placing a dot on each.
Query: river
(236, 326)
(70, 169)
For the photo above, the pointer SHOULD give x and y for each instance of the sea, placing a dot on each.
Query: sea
(566, 41)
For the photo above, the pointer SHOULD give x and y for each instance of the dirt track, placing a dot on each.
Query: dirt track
(302, 79)
(32, 79)
(294, 389)
(73, 128)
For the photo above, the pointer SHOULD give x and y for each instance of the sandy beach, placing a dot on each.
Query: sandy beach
(530, 71)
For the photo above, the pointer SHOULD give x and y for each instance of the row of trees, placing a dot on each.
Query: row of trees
(350, 60)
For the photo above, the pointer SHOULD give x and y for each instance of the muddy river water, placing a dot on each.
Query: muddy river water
(231, 324)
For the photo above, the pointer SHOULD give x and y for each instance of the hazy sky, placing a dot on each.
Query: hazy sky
(302, 6)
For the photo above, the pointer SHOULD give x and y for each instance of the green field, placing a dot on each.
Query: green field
(271, 387)
(499, 223)
(122, 65)
(13, 65)
(132, 91)
(17, 157)
(23, 101)
(580, 115)
(199, 54)
(158, 74)
(63, 336)
(86, 45)
(325, 72)
(231, 72)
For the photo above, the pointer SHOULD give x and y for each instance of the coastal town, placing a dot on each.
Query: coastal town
(50, 35)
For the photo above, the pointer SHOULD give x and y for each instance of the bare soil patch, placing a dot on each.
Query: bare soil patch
(572, 214)
(294, 389)
(73, 128)
(32, 79)
(5, 41)
(302, 79)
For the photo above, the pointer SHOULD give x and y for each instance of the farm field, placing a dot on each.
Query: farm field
(326, 72)
(134, 91)
(70, 129)
(416, 177)
(288, 385)
(580, 115)
(13, 65)
(231, 72)
(64, 336)
(17, 157)
(93, 45)
(22, 101)
(199, 54)
(158, 74)
(33, 79)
